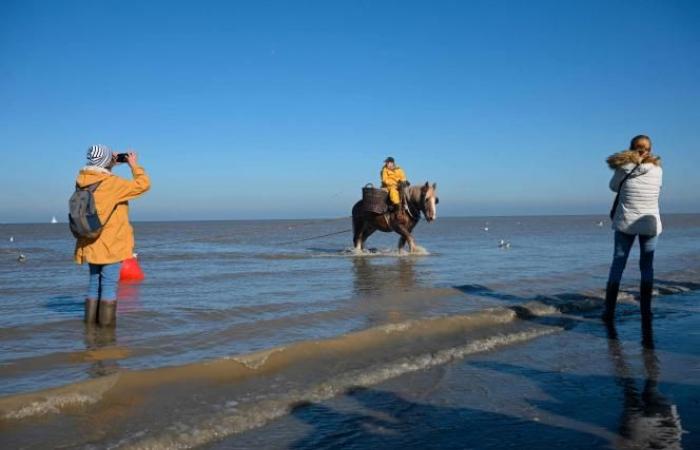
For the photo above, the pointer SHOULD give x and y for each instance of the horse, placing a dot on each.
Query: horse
(414, 201)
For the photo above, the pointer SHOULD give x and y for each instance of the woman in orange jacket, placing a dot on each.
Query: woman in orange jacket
(115, 242)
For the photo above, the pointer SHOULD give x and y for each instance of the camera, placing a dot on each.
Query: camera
(121, 157)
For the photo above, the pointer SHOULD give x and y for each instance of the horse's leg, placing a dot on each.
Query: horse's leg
(368, 232)
(359, 225)
(358, 239)
(362, 230)
(405, 237)
(411, 240)
(402, 243)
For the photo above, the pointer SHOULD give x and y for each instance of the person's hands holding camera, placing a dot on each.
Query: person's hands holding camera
(131, 159)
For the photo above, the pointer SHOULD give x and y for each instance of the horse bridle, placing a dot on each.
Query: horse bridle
(423, 199)
(412, 210)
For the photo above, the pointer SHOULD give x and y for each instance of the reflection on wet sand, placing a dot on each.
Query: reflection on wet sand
(129, 297)
(375, 277)
(101, 350)
(648, 419)
(386, 280)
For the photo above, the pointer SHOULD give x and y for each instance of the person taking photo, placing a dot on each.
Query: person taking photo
(100, 221)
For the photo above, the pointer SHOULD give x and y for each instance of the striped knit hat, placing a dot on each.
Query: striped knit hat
(99, 155)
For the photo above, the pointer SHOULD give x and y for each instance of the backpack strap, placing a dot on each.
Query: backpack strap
(90, 188)
(626, 177)
(616, 202)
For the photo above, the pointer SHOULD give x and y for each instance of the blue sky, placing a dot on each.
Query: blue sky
(243, 110)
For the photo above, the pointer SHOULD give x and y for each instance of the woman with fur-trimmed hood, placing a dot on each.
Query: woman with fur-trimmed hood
(637, 180)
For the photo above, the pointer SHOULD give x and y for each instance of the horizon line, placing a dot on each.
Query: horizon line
(605, 216)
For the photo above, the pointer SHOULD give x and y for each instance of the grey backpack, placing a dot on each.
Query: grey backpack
(82, 215)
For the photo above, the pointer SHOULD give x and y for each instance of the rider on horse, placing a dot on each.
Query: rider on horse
(392, 179)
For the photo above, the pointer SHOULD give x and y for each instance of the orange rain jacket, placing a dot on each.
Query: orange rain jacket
(116, 241)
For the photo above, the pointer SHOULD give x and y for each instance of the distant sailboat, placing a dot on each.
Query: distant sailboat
(53, 220)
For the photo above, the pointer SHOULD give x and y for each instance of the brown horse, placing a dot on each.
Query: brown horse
(414, 200)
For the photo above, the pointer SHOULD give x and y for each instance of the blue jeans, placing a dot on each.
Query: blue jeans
(103, 281)
(623, 245)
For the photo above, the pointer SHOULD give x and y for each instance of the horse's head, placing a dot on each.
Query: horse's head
(429, 201)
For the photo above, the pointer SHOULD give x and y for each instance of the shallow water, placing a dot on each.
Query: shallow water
(231, 327)
(581, 388)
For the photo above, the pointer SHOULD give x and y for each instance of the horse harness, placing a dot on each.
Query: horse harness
(412, 210)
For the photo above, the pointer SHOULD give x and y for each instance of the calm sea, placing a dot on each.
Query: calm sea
(255, 307)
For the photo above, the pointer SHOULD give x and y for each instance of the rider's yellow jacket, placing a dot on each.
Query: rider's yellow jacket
(390, 181)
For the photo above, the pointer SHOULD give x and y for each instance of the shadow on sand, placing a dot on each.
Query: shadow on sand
(395, 423)
(627, 411)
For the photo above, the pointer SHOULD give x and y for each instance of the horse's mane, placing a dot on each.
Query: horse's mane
(411, 196)
(414, 193)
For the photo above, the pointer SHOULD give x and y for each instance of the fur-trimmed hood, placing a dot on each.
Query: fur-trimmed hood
(92, 174)
(631, 157)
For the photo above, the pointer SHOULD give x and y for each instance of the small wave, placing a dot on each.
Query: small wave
(244, 418)
(381, 252)
(270, 361)
(55, 400)
(343, 253)
(323, 368)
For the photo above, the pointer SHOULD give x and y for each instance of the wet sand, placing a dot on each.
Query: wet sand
(582, 388)
(529, 374)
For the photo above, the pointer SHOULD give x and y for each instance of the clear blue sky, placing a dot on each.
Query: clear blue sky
(285, 109)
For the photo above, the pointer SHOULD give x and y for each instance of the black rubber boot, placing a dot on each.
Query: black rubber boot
(610, 301)
(645, 293)
(107, 314)
(90, 311)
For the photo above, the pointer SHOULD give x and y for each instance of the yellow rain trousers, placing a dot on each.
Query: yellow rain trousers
(390, 181)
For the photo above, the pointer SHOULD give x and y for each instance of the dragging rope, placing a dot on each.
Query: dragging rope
(22, 258)
(314, 237)
(164, 244)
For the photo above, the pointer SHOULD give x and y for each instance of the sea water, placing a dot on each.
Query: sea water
(270, 318)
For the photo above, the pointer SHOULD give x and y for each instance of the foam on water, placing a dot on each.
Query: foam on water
(322, 368)
(254, 364)
(243, 418)
(55, 400)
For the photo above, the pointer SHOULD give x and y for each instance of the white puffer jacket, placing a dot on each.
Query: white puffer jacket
(638, 210)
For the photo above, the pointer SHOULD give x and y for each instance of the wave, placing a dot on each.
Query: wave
(245, 391)
(55, 400)
(256, 364)
(184, 435)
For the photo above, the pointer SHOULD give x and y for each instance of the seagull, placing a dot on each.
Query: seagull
(21, 258)
(600, 224)
(12, 239)
(503, 244)
(486, 228)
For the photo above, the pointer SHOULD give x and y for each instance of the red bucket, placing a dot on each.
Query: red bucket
(131, 270)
